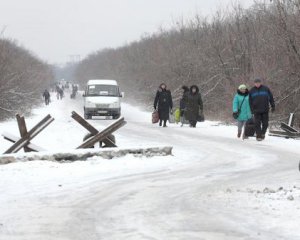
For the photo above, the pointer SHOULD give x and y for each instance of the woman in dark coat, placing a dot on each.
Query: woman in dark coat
(163, 103)
(193, 102)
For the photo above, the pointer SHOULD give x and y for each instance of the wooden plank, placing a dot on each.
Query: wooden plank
(100, 136)
(283, 134)
(287, 128)
(30, 135)
(90, 128)
(109, 143)
(84, 123)
(22, 129)
(13, 139)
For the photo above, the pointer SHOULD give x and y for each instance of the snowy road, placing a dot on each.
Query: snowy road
(214, 187)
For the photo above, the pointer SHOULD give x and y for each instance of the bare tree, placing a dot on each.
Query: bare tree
(218, 55)
(22, 79)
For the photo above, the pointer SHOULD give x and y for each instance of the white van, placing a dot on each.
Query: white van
(102, 98)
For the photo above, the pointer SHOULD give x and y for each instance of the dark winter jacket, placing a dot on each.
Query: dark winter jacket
(182, 103)
(259, 99)
(193, 102)
(46, 94)
(163, 103)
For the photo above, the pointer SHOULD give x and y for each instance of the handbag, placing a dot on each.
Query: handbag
(235, 115)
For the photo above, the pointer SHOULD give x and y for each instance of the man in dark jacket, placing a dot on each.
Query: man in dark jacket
(194, 104)
(46, 96)
(260, 97)
(163, 103)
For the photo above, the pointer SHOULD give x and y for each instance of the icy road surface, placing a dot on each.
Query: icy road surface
(214, 187)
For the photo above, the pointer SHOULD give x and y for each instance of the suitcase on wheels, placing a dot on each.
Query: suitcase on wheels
(250, 128)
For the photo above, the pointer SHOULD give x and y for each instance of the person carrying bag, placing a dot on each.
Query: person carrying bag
(241, 108)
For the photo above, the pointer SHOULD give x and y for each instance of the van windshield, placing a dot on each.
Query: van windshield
(103, 90)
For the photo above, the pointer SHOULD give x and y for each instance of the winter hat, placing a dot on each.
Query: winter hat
(257, 80)
(185, 88)
(242, 87)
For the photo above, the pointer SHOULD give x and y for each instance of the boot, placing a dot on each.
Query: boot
(165, 124)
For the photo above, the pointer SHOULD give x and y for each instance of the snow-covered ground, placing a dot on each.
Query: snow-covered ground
(215, 186)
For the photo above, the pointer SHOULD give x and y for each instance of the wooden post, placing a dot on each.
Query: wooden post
(91, 129)
(291, 119)
(100, 136)
(84, 123)
(30, 146)
(30, 135)
(22, 129)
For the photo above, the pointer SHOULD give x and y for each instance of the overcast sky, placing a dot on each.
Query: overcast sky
(56, 29)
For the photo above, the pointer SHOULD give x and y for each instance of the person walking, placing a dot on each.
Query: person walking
(260, 98)
(194, 104)
(241, 107)
(163, 103)
(46, 96)
(182, 104)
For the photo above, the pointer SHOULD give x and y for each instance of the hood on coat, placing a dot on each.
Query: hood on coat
(185, 88)
(243, 94)
(194, 86)
(160, 88)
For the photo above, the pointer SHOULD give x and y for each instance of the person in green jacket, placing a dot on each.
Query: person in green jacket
(241, 105)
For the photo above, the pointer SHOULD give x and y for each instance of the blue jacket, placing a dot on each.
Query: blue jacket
(260, 99)
(245, 112)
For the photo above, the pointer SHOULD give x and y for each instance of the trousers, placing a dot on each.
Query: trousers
(261, 123)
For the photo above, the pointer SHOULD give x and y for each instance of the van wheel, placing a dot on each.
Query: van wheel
(111, 137)
(116, 116)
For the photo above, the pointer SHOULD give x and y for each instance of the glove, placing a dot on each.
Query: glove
(273, 109)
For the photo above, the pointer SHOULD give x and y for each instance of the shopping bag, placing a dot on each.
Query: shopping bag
(155, 117)
(177, 115)
(171, 118)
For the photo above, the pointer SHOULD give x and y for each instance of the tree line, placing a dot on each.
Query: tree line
(217, 54)
(23, 78)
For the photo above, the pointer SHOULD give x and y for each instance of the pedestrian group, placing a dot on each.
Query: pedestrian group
(250, 108)
(191, 105)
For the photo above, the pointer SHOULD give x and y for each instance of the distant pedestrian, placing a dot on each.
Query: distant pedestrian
(182, 104)
(46, 96)
(260, 97)
(163, 103)
(193, 105)
(59, 92)
(241, 107)
(74, 91)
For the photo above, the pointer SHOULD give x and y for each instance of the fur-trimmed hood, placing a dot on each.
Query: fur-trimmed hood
(243, 94)
(160, 88)
(194, 86)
